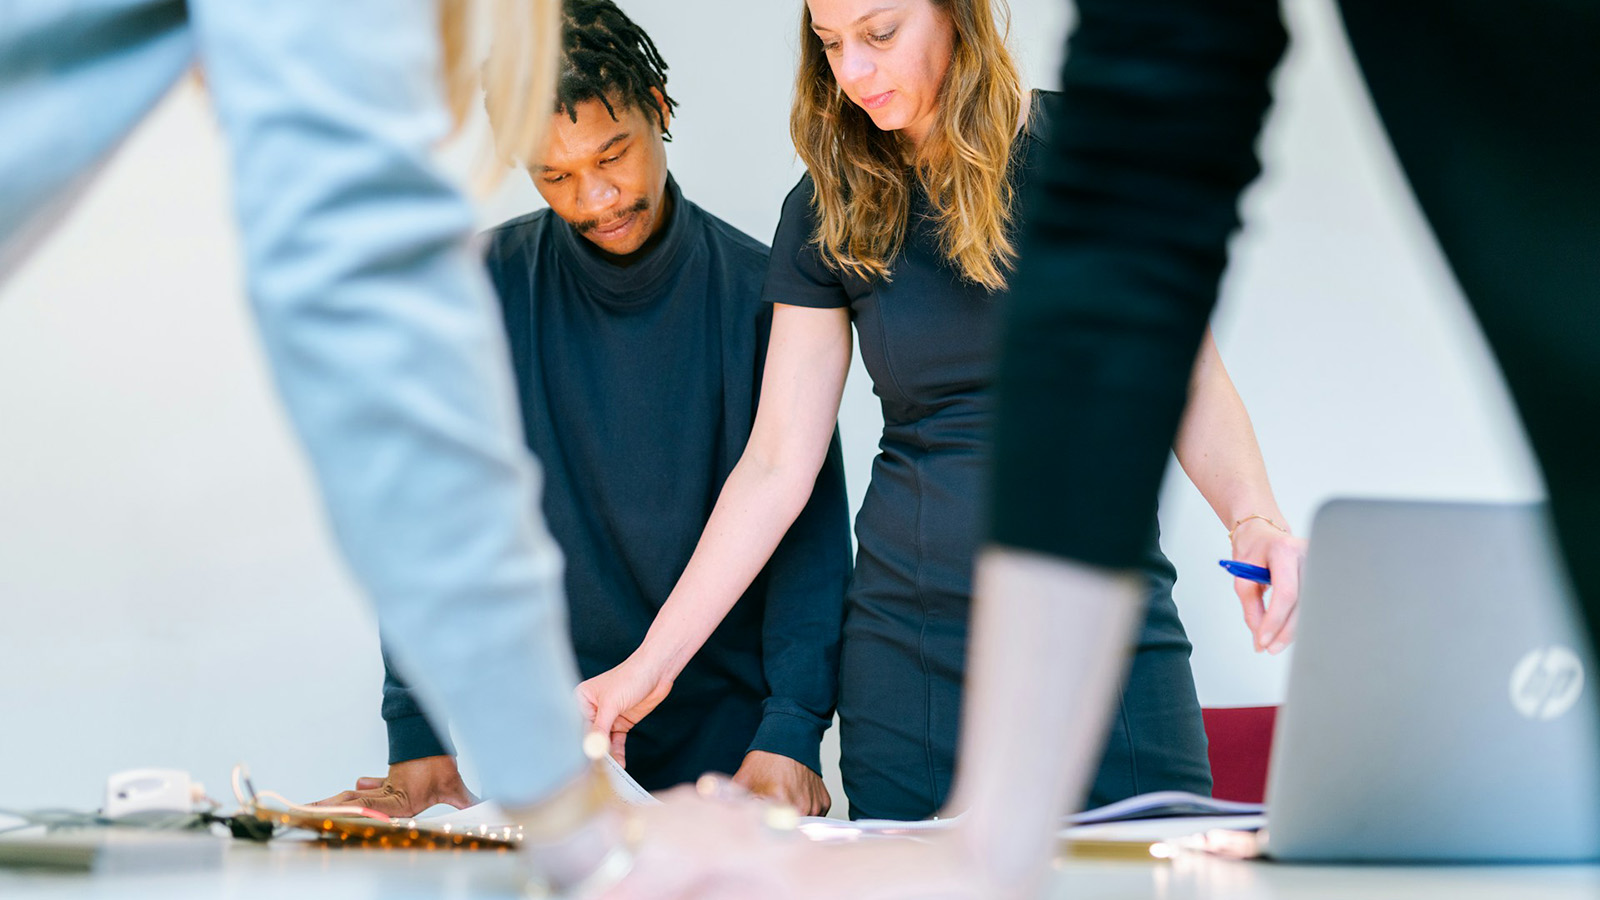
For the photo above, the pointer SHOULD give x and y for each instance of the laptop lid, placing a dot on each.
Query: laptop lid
(1441, 701)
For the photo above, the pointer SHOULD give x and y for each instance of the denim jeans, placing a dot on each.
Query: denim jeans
(377, 321)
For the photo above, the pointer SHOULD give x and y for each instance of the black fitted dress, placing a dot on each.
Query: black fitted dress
(927, 338)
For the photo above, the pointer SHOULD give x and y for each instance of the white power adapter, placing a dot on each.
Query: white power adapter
(151, 790)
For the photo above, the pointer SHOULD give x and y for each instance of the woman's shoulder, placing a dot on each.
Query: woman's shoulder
(801, 194)
(1044, 110)
(1027, 153)
(799, 205)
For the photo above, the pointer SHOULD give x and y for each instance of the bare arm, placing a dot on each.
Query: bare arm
(807, 361)
(1053, 637)
(800, 393)
(1217, 448)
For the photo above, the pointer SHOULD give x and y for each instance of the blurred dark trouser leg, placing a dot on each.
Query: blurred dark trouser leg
(1494, 112)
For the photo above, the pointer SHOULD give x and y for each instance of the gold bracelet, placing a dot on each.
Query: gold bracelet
(1253, 516)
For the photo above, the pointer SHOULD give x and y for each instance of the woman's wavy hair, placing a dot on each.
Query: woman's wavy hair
(519, 75)
(863, 175)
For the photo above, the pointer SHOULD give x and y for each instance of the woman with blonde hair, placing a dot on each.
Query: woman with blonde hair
(379, 327)
(917, 138)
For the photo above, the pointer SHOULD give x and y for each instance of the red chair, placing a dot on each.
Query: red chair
(1241, 743)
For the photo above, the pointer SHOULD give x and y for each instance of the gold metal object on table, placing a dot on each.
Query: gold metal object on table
(396, 834)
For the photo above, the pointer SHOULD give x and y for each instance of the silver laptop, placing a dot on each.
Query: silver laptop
(1442, 700)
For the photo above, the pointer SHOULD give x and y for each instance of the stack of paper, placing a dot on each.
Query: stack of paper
(1158, 816)
(1164, 805)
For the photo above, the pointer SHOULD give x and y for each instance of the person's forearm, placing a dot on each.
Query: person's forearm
(377, 321)
(802, 379)
(803, 623)
(758, 503)
(1216, 445)
(1050, 644)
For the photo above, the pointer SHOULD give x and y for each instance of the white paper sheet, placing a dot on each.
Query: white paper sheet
(1159, 816)
(1164, 805)
(1152, 830)
(488, 813)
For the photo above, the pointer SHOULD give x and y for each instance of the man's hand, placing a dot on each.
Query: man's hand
(616, 700)
(784, 780)
(411, 787)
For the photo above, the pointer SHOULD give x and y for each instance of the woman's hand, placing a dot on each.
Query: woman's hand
(616, 700)
(1261, 543)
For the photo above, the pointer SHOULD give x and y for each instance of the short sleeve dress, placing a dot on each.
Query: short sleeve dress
(927, 338)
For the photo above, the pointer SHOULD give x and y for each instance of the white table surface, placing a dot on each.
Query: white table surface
(301, 871)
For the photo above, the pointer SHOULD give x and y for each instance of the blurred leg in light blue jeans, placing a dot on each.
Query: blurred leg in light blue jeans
(378, 322)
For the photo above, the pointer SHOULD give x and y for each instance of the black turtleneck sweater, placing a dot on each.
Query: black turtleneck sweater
(638, 387)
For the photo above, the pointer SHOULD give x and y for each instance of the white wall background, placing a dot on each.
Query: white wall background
(168, 595)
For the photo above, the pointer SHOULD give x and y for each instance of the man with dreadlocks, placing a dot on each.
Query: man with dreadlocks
(638, 336)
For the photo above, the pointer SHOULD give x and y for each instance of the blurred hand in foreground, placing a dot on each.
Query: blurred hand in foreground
(737, 849)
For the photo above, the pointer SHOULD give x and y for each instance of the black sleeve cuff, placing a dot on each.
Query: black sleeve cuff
(411, 737)
(790, 733)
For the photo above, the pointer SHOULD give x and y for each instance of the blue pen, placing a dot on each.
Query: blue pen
(1246, 571)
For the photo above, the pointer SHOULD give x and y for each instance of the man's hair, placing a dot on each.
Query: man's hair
(606, 57)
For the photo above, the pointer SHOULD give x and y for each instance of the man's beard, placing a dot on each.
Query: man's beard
(638, 206)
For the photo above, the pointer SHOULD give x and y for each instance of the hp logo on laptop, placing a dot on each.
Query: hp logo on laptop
(1546, 683)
